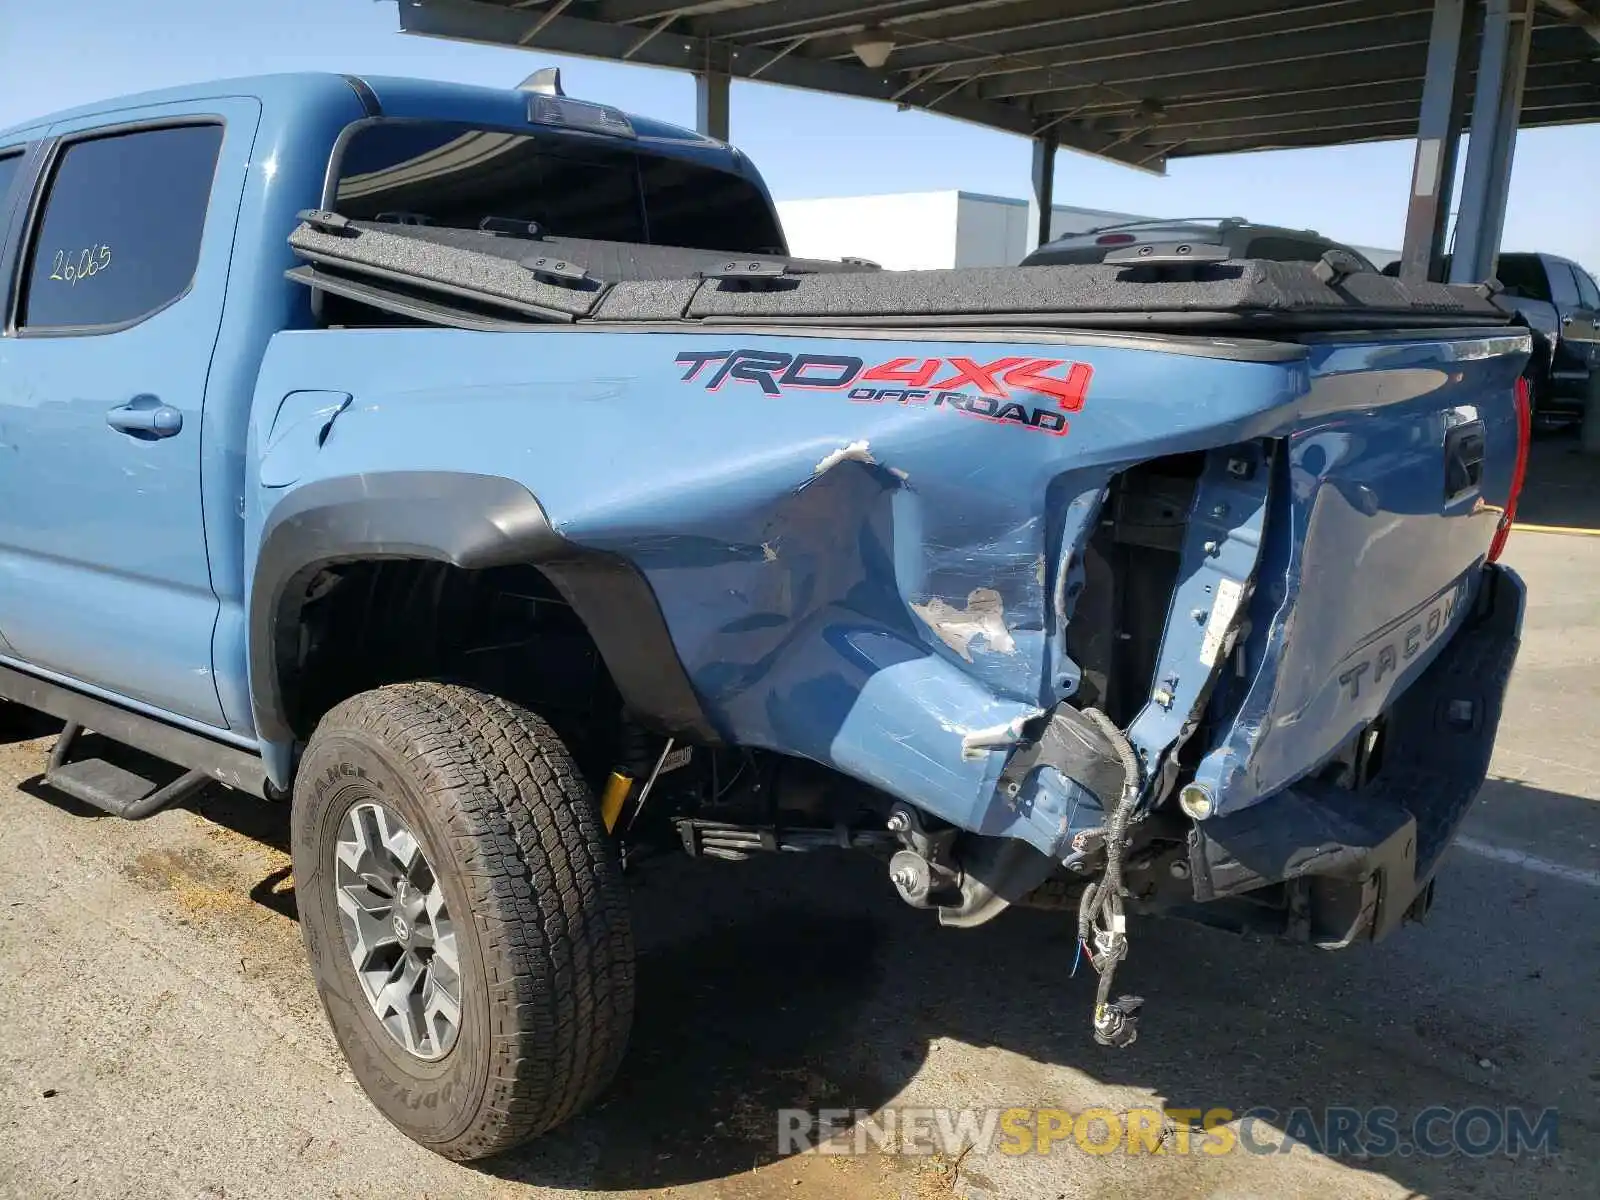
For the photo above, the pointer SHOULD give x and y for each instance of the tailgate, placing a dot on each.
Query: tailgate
(1384, 502)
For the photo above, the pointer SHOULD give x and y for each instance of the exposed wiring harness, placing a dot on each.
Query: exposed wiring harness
(1102, 923)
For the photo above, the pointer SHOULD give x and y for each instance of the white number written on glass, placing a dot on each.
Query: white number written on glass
(69, 266)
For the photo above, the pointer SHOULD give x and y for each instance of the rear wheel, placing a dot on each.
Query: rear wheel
(464, 914)
(1540, 420)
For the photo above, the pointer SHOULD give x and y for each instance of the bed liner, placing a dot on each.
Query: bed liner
(486, 279)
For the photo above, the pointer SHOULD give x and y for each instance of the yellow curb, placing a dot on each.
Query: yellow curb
(1574, 530)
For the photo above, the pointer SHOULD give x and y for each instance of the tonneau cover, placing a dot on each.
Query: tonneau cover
(458, 276)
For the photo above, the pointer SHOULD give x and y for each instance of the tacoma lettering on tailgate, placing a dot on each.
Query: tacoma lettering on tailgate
(1402, 641)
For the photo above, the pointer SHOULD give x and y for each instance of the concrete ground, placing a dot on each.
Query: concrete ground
(162, 1038)
(1561, 491)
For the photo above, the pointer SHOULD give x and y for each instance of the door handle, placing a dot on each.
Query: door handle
(146, 418)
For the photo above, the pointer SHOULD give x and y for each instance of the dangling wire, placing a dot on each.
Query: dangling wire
(1102, 921)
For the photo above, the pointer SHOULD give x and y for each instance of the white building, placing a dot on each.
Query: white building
(922, 231)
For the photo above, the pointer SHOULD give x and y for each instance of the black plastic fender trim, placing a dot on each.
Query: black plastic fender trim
(473, 522)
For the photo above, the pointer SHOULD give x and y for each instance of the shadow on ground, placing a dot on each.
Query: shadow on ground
(1563, 484)
(25, 724)
(798, 982)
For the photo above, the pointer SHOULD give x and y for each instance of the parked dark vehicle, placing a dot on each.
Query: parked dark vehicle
(1561, 304)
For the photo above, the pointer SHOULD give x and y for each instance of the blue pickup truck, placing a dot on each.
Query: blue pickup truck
(474, 474)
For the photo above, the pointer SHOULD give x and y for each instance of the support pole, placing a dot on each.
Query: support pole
(1438, 128)
(1044, 187)
(1496, 112)
(1510, 119)
(1438, 268)
(711, 89)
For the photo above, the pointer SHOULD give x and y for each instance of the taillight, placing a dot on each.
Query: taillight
(1519, 474)
(1114, 239)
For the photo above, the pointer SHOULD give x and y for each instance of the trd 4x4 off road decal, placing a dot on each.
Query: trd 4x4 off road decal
(988, 391)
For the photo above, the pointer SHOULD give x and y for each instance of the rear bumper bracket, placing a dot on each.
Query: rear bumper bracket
(1367, 855)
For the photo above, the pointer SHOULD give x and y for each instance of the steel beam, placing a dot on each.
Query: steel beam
(1374, 34)
(1267, 80)
(1095, 36)
(964, 25)
(777, 56)
(1393, 120)
(1496, 113)
(1438, 127)
(1229, 60)
(542, 21)
(1547, 84)
(623, 11)
(711, 93)
(1130, 80)
(1576, 14)
(1044, 187)
(755, 22)
(1556, 95)
(1174, 80)
(465, 20)
(1311, 139)
(646, 37)
(1364, 124)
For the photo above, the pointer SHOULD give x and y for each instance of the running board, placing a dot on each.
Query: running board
(231, 765)
(118, 788)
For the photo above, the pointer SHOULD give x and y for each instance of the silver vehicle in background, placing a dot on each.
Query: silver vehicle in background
(1241, 239)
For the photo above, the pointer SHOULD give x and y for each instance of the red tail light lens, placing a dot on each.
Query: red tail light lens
(1519, 474)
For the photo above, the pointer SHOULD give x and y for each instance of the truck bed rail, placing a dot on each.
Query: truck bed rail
(462, 277)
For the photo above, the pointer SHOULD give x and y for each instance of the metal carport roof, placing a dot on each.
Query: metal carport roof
(1137, 82)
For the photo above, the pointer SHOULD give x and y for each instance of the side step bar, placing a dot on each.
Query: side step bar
(112, 787)
(238, 768)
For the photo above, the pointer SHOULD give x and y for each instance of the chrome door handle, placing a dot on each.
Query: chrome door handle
(146, 418)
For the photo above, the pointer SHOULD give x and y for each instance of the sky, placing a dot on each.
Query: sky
(55, 55)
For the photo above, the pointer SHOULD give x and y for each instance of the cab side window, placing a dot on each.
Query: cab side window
(10, 167)
(1587, 289)
(119, 236)
(1563, 283)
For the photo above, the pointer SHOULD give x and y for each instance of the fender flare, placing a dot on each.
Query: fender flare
(472, 522)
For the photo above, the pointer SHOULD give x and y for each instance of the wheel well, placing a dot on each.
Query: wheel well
(504, 629)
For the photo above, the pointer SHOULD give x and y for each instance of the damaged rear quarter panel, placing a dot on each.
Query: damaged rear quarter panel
(861, 581)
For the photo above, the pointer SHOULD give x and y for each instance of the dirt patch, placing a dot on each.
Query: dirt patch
(237, 893)
(200, 884)
(822, 1177)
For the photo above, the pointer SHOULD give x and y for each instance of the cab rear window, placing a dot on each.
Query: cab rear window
(1523, 275)
(440, 173)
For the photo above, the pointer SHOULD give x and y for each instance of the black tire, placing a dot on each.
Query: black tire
(545, 950)
(1539, 419)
